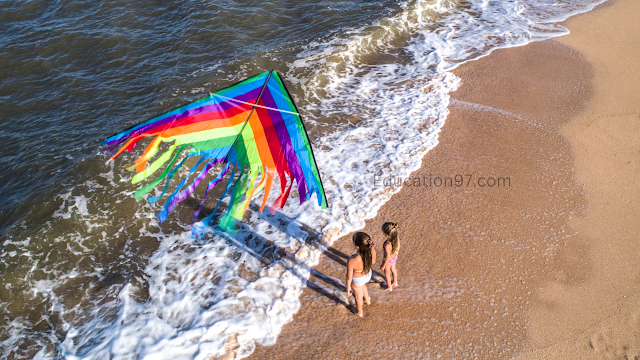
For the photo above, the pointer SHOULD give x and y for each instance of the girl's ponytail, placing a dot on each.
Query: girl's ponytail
(391, 230)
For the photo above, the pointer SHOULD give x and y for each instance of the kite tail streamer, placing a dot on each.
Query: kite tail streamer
(211, 185)
(254, 190)
(214, 154)
(284, 194)
(111, 148)
(170, 204)
(240, 210)
(129, 145)
(208, 219)
(154, 166)
(269, 174)
(236, 193)
(149, 152)
(180, 196)
(162, 216)
(170, 179)
(140, 193)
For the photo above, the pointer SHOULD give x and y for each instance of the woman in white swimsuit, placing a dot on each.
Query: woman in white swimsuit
(359, 269)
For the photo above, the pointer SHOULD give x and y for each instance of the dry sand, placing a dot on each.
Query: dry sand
(544, 268)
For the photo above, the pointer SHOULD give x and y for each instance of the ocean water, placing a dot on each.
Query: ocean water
(88, 272)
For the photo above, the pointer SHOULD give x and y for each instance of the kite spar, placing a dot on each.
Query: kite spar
(253, 127)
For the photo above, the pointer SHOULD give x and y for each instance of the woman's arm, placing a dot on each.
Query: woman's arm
(349, 275)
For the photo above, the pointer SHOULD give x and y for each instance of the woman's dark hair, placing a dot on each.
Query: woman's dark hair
(391, 230)
(364, 244)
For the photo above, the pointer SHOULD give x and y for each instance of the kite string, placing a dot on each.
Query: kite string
(256, 105)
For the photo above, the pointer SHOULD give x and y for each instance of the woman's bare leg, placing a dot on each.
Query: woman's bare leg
(357, 293)
(365, 293)
(395, 274)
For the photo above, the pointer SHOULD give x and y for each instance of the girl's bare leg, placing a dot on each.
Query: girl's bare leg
(395, 274)
(357, 292)
(365, 293)
(387, 275)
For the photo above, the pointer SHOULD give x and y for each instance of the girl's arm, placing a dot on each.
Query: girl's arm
(373, 256)
(387, 255)
(349, 276)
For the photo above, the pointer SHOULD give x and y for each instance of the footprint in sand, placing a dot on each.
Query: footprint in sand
(622, 343)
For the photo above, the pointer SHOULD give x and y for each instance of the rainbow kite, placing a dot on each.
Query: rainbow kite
(252, 127)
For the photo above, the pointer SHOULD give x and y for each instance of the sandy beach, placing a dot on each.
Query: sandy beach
(529, 248)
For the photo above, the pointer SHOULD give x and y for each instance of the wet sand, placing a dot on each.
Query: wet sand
(542, 265)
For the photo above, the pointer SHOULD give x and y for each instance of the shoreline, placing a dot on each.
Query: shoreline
(487, 272)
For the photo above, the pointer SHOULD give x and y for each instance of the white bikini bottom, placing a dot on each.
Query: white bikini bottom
(362, 280)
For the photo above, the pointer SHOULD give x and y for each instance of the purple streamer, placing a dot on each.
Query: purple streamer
(191, 188)
(212, 184)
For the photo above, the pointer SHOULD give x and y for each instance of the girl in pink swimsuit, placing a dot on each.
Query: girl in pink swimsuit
(391, 247)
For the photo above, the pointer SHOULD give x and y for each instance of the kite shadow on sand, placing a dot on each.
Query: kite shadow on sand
(267, 252)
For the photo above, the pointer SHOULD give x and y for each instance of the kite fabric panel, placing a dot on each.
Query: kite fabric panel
(252, 127)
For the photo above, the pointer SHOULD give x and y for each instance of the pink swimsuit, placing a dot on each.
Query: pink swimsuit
(394, 256)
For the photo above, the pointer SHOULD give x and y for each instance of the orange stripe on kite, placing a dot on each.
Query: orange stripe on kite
(205, 125)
